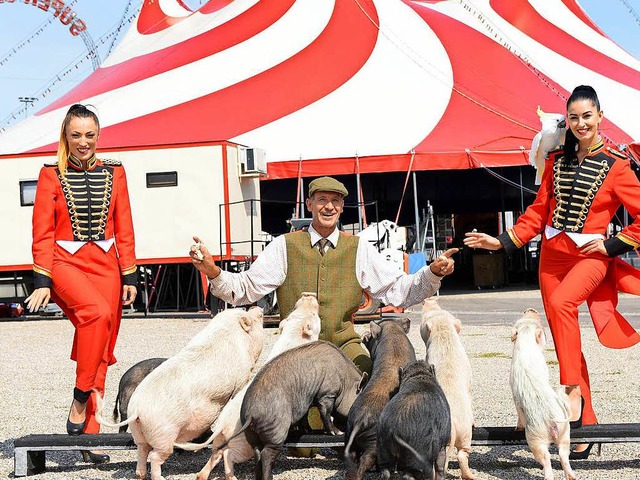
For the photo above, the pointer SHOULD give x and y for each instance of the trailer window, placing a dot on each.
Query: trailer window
(28, 192)
(162, 179)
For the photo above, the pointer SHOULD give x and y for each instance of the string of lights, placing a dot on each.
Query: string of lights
(70, 68)
(4, 59)
(631, 11)
(503, 39)
(433, 70)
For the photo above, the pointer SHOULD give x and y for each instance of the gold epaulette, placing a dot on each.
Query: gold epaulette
(111, 162)
(616, 153)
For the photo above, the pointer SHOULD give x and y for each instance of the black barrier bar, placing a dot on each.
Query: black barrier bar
(29, 451)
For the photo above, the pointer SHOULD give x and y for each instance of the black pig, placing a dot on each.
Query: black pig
(415, 426)
(128, 383)
(316, 374)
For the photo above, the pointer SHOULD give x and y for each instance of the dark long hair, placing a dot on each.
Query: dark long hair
(76, 110)
(581, 92)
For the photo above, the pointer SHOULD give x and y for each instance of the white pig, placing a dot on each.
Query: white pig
(300, 327)
(182, 397)
(440, 332)
(542, 412)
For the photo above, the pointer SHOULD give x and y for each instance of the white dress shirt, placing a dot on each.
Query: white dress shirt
(379, 277)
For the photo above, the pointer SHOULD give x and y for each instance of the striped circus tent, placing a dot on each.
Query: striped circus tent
(346, 86)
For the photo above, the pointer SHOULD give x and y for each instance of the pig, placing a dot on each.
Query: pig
(542, 412)
(300, 327)
(440, 332)
(182, 397)
(390, 349)
(415, 426)
(128, 383)
(317, 373)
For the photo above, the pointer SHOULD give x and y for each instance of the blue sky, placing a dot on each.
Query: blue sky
(32, 67)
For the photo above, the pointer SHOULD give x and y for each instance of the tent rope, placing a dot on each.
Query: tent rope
(406, 182)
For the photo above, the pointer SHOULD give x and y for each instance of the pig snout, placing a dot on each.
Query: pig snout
(308, 302)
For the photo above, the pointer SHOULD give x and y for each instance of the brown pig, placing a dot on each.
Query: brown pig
(390, 350)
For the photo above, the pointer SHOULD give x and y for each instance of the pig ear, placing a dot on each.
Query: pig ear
(406, 324)
(307, 329)
(363, 382)
(514, 334)
(281, 325)
(425, 332)
(375, 329)
(457, 324)
(245, 322)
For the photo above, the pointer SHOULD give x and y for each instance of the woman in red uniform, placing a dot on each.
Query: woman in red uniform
(83, 256)
(584, 183)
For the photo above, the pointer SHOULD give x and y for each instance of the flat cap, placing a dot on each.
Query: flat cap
(327, 184)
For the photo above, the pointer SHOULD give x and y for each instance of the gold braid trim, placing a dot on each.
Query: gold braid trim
(628, 240)
(514, 238)
(128, 270)
(41, 270)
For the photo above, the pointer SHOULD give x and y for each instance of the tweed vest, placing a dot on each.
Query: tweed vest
(332, 277)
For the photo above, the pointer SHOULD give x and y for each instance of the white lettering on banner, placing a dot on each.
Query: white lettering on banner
(61, 11)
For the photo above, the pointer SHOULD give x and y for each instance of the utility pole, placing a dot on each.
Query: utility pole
(27, 101)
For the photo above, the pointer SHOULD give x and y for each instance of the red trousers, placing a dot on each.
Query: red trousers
(567, 279)
(88, 288)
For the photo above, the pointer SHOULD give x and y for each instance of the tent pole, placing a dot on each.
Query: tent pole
(301, 201)
(415, 206)
(299, 193)
(359, 193)
(433, 229)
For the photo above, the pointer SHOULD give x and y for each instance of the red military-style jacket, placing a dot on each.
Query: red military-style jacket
(582, 199)
(85, 205)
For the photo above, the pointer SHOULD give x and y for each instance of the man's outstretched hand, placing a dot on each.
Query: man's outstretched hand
(443, 265)
(202, 259)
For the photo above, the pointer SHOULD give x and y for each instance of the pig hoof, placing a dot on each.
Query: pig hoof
(140, 476)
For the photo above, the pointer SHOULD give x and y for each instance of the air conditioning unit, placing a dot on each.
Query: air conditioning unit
(252, 161)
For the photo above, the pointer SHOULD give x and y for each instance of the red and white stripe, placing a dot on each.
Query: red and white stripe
(439, 84)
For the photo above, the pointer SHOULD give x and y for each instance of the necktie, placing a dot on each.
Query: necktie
(322, 243)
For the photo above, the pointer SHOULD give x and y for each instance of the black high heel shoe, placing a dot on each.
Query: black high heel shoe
(584, 454)
(97, 458)
(573, 424)
(81, 397)
(75, 428)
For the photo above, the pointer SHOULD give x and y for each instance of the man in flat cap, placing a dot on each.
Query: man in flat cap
(335, 265)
